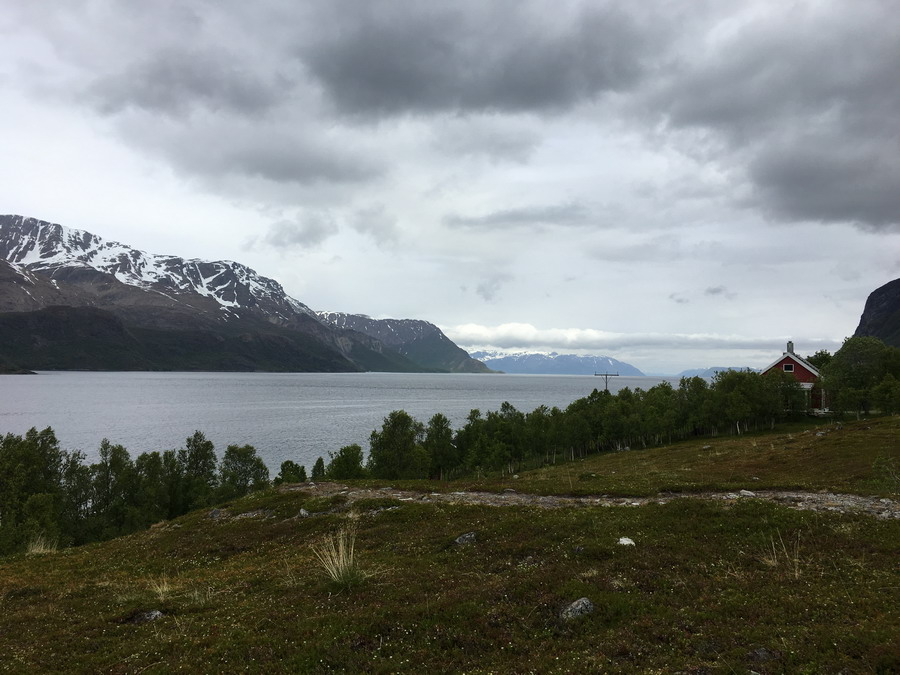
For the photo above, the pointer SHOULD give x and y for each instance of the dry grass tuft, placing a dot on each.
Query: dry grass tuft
(41, 544)
(161, 588)
(337, 556)
(777, 554)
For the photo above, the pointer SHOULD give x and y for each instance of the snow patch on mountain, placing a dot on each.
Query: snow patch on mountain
(391, 332)
(40, 246)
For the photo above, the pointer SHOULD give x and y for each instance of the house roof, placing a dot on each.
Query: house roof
(800, 361)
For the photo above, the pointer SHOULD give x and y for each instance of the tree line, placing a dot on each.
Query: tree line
(509, 440)
(49, 492)
(863, 376)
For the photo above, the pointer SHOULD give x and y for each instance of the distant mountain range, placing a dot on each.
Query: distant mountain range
(552, 364)
(70, 300)
(881, 315)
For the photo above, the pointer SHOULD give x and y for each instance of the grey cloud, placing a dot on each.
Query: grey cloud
(214, 149)
(795, 104)
(654, 248)
(803, 104)
(718, 290)
(527, 216)
(386, 58)
(377, 223)
(831, 179)
(489, 288)
(175, 80)
(497, 138)
(307, 231)
(678, 298)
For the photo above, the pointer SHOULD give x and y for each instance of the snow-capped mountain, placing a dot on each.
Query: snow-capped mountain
(58, 251)
(157, 311)
(552, 363)
(420, 341)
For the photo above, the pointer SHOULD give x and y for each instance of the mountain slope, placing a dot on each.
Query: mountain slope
(190, 305)
(419, 341)
(881, 315)
(88, 338)
(553, 364)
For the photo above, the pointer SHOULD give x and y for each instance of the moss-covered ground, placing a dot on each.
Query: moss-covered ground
(707, 587)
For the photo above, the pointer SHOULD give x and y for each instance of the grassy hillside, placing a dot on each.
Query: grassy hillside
(708, 586)
(808, 455)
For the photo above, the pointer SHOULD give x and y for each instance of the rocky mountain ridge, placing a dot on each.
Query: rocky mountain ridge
(62, 253)
(881, 315)
(420, 341)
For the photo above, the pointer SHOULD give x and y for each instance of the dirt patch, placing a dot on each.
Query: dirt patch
(806, 501)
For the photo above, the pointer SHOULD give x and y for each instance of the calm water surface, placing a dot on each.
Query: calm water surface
(298, 416)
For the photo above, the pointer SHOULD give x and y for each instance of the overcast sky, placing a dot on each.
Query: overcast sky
(674, 184)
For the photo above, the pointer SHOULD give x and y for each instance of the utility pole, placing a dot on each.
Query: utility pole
(606, 377)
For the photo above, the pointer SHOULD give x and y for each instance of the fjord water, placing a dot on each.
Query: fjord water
(297, 416)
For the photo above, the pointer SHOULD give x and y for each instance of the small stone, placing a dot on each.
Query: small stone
(467, 538)
(515, 476)
(509, 490)
(577, 609)
(747, 493)
(303, 513)
(215, 514)
(763, 655)
(626, 541)
(706, 447)
(145, 617)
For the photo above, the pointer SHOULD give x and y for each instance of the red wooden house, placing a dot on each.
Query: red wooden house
(803, 371)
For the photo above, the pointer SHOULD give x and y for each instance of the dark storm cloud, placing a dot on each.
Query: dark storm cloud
(796, 105)
(832, 180)
(566, 215)
(805, 104)
(386, 57)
